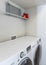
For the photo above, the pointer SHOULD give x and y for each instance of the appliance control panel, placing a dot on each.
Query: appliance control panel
(28, 48)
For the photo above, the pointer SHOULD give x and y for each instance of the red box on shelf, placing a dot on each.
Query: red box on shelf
(25, 15)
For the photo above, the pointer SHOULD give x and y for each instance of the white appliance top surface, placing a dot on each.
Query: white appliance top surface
(10, 48)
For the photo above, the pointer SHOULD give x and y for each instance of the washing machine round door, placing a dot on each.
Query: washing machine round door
(26, 61)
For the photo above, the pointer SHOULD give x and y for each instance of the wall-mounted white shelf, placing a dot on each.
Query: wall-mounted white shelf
(9, 14)
(16, 6)
(12, 15)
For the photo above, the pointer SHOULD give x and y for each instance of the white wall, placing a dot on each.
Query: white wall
(10, 26)
(36, 25)
(2, 5)
(31, 24)
(41, 16)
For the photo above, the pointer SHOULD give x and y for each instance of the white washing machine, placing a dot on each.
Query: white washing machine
(22, 51)
(31, 55)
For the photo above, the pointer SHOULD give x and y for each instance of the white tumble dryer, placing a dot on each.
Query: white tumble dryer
(21, 51)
